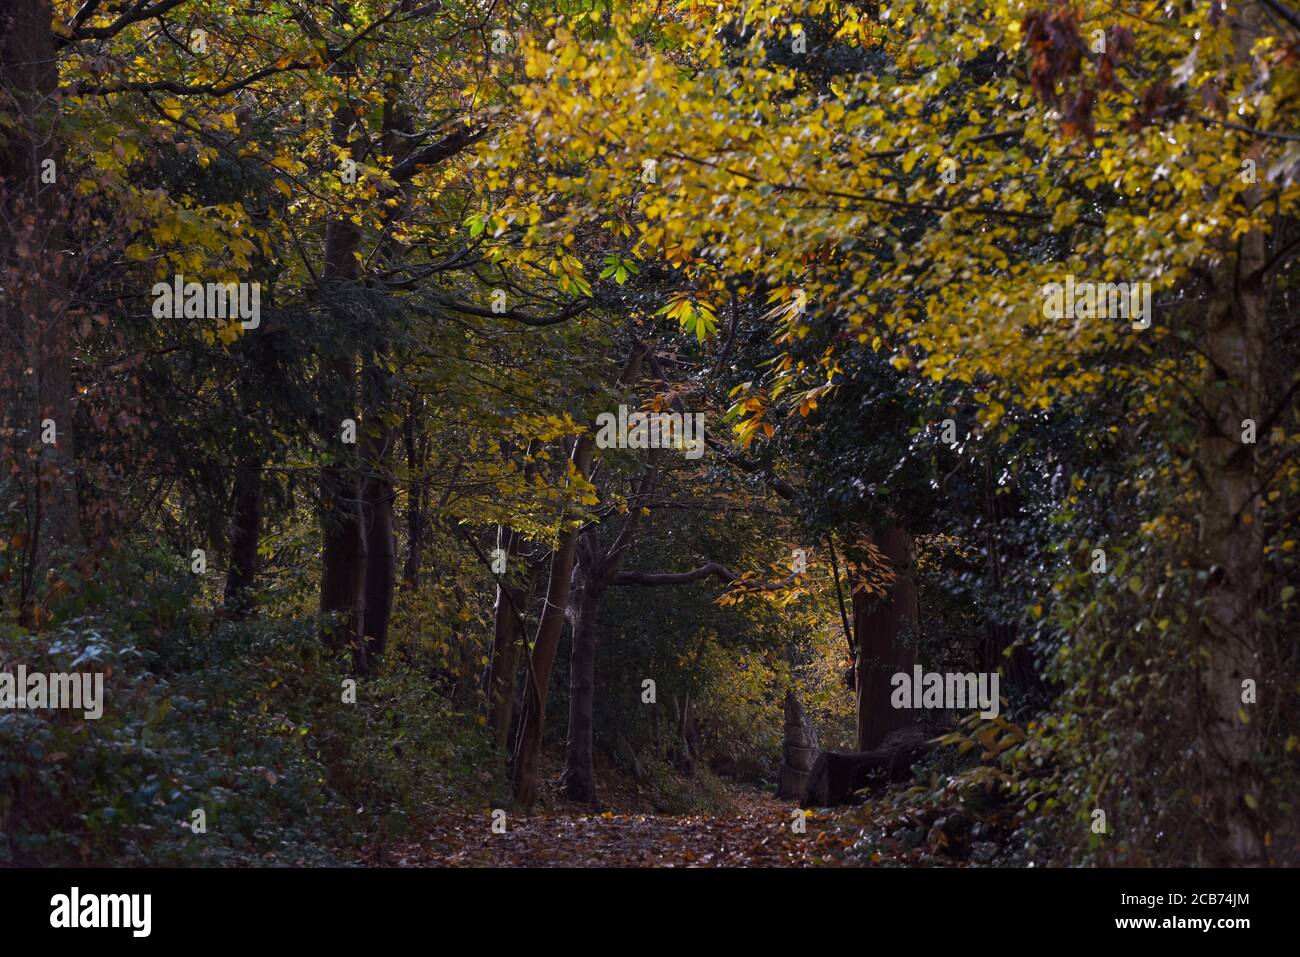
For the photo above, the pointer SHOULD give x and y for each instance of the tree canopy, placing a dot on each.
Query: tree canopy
(445, 404)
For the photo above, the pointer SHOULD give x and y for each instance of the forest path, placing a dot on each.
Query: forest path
(755, 832)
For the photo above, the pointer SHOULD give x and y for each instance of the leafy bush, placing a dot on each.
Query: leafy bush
(245, 721)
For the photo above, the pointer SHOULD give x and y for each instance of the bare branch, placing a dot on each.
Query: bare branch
(711, 569)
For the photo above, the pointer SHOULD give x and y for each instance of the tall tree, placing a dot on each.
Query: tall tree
(36, 373)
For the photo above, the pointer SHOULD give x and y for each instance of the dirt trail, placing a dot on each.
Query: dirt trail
(755, 832)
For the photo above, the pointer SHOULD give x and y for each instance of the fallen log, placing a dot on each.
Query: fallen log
(836, 775)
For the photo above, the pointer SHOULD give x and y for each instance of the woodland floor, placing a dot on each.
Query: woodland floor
(756, 832)
(746, 827)
(753, 829)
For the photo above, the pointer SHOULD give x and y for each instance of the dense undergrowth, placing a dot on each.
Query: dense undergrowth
(253, 723)
(244, 721)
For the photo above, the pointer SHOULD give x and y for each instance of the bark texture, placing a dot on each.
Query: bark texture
(343, 546)
(878, 623)
(799, 750)
(36, 333)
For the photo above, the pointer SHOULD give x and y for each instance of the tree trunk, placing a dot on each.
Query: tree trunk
(378, 491)
(579, 779)
(381, 566)
(37, 331)
(1231, 534)
(246, 527)
(1002, 503)
(507, 630)
(1231, 542)
(688, 735)
(415, 502)
(878, 623)
(598, 570)
(508, 625)
(529, 748)
(343, 549)
(528, 751)
(377, 499)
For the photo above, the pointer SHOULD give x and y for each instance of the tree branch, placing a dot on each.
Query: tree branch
(710, 569)
(568, 312)
(445, 148)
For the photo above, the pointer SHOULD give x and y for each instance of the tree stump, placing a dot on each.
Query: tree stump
(836, 775)
(799, 751)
